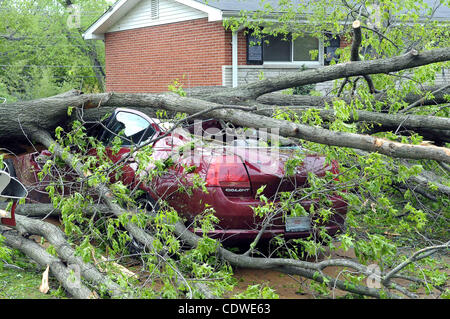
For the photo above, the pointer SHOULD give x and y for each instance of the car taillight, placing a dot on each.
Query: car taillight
(229, 173)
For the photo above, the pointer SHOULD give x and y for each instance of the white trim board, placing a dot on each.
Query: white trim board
(126, 11)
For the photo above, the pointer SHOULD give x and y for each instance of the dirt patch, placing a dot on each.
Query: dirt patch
(287, 286)
(296, 287)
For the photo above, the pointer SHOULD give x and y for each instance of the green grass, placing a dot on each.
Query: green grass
(24, 283)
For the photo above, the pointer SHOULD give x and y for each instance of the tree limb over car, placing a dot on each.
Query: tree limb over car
(23, 124)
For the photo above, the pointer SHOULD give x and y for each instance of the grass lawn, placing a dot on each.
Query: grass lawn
(24, 283)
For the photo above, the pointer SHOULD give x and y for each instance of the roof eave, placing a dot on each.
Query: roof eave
(98, 29)
(214, 14)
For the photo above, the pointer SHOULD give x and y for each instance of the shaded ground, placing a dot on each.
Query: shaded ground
(288, 286)
(296, 287)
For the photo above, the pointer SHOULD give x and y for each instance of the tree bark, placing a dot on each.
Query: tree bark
(354, 52)
(43, 258)
(439, 94)
(254, 90)
(57, 238)
(412, 122)
(173, 102)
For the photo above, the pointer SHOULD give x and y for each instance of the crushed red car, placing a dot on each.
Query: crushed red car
(233, 168)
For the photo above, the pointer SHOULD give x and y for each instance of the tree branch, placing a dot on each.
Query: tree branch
(42, 257)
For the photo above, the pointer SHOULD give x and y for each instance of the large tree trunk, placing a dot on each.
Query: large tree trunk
(56, 237)
(176, 103)
(43, 258)
(439, 93)
(254, 90)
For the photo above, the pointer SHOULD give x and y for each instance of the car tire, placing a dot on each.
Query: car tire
(149, 204)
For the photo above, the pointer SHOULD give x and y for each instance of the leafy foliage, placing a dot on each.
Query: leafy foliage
(387, 219)
(42, 52)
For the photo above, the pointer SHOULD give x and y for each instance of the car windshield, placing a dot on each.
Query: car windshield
(132, 128)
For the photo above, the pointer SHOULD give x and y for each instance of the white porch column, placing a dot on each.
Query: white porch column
(234, 48)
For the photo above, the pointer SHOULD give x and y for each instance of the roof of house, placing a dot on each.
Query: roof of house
(238, 5)
(441, 11)
(218, 9)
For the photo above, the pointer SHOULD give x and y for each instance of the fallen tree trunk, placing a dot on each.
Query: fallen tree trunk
(254, 90)
(56, 238)
(439, 97)
(432, 128)
(42, 257)
(173, 102)
(176, 103)
(47, 210)
(18, 120)
(413, 122)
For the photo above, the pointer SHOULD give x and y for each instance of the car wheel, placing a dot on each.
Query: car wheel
(149, 204)
(135, 247)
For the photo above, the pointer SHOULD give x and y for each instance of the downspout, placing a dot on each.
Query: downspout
(234, 48)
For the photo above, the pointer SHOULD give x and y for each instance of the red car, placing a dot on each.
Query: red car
(233, 168)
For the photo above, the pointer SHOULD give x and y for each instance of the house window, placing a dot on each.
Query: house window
(303, 46)
(334, 43)
(279, 49)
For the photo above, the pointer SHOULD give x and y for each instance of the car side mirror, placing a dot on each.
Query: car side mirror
(10, 189)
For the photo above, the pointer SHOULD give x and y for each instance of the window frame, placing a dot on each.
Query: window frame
(107, 140)
(319, 62)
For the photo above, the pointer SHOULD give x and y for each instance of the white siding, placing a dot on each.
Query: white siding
(169, 11)
(252, 73)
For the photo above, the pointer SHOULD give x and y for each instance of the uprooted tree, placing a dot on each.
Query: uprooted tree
(395, 182)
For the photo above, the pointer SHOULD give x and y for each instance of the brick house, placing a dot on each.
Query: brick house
(150, 43)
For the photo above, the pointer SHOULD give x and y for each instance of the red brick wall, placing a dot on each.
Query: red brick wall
(149, 59)
(346, 40)
(242, 48)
